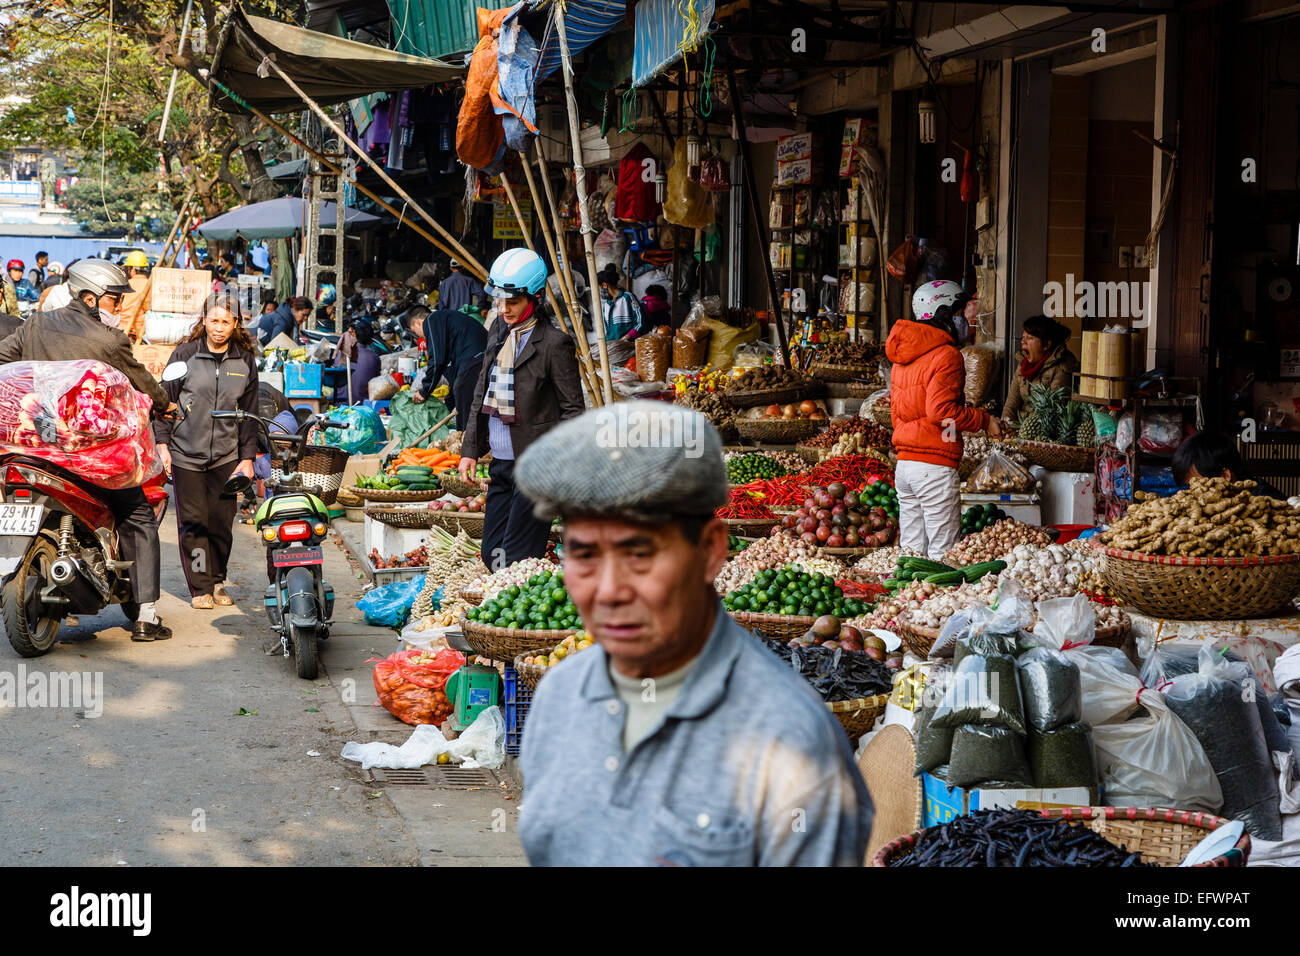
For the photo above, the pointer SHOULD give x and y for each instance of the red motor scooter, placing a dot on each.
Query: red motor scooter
(58, 551)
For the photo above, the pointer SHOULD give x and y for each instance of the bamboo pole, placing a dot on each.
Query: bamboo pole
(565, 274)
(180, 218)
(550, 295)
(463, 254)
(566, 67)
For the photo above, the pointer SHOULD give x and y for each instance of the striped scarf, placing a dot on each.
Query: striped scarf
(500, 397)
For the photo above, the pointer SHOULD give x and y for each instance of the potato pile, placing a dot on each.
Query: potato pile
(1213, 517)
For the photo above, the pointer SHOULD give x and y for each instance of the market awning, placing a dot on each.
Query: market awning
(585, 22)
(276, 219)
(660, 33)
(329, 69)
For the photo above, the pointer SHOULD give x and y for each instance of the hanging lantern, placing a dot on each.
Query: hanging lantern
(661, 188)
(693, 146)
(925, 114)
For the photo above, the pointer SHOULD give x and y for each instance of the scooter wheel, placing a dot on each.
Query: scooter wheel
(30, 634)
(306, 658)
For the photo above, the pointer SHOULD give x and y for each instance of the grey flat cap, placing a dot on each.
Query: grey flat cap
(648, 461)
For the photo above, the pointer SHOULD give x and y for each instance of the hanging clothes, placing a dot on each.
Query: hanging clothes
(636, 198)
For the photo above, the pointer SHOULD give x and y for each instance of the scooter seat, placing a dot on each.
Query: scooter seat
(285, 507)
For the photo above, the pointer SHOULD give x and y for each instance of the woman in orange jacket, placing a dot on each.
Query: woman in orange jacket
(929, 411)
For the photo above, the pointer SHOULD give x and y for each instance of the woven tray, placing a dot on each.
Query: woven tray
(881, 415)
(753, 527)
(865, 390)
(810, 454)
(530, 674)
(848, 552)
(402, 517)
(1058, 457)
(744, 398)
(778, 627)
(920, 640)
(374, 494)
(829, 372)
(453, 521)
(471, 597)
(1163, 837)
(461, 489)
(1202, 588)
(507, 643)
(778, 431)
(858, 716)
(348, 500)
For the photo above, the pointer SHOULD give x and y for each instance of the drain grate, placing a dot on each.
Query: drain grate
(440, 777)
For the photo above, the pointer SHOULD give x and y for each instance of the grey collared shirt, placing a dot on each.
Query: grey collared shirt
(747, 768)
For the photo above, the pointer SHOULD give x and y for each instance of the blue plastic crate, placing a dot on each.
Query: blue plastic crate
(518, 696)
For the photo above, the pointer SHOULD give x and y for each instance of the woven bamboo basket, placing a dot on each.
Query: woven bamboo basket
(830, 372)
(881, 415)
(920, 640)
(375, 494)
(858, 716)
(320, 470)
(471, 597)
(778, 431)
(507, 643)
(778, 627)
(402, 517)
(452, 484)
(348, 500)
(746, 397)
(1058, 457)
(750, 527)
(1202, 588)
(453, 521)
(530, 674)
(1163, 837)
(865, 390)
(810, 454)
(848, 554)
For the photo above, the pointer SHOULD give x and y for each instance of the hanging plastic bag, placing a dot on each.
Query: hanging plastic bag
(688, 202)
(364, 434)
(999, 475)
(410, 684)
(981, 362)
(390, 604)
(1214, 704)
(1162, 432)
(902, 261)
(610, 248)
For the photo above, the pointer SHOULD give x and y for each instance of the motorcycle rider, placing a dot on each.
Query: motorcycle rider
(86, 329)
(23, 287)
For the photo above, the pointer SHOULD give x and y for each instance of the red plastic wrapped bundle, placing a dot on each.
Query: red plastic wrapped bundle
(410, 684)
(83, 416)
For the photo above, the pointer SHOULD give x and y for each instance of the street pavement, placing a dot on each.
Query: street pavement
(209, 751)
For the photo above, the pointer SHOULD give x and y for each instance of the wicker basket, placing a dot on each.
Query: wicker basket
(474, 598)
(846, 553)
(402, 517)
(452, 484)
(530, 674)
(857, 717)
(881, 415)
(920, 640)
(507, 643)
(865, 390)
(1058, 457)
(778, 627)
(750, 527)
(453, 521)
(376, 494)
(348, 500)
(778, 431)
(1163, 837)
(744, 398)
(828, 372)
(320, 470)
(1202, 588)
(810, 454)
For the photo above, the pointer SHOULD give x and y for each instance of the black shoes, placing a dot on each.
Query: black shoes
(150, 631)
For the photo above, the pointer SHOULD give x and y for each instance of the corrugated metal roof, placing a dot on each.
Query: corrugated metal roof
(438, 28)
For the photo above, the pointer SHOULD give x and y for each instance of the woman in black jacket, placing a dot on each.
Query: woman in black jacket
(202, 453)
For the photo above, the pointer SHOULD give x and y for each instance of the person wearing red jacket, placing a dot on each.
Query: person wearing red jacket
(929, 411)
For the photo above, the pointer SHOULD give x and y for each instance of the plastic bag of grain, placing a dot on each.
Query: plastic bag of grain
(981, 363)
(653, 356)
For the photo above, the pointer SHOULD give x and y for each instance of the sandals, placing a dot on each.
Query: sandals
(220, 597)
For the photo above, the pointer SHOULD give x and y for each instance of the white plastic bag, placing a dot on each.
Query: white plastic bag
(422, 747)
(1011, 613)
(1162, 432)
(484, 743)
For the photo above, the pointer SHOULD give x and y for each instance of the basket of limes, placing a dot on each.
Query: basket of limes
(531, 668)
(522, 619)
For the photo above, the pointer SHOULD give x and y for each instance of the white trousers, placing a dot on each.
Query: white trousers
(929, 507)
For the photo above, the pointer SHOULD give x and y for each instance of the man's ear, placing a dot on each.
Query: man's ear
(713, 542)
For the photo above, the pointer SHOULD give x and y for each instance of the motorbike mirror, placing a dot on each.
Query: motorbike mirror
(174, 371)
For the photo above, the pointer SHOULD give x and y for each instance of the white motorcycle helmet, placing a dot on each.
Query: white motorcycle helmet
(929, 296)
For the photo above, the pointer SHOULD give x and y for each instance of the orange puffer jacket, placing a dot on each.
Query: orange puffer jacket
(927, 391)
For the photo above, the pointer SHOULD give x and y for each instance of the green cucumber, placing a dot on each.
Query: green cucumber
(925, 564)
(974, 572)
(944, 578)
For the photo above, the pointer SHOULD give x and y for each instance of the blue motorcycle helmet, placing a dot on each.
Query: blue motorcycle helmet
(516, 272)
(327, 294)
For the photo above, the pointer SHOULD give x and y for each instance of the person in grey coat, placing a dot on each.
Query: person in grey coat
(679, 739)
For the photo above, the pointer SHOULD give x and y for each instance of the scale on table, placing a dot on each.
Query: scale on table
(472, 689)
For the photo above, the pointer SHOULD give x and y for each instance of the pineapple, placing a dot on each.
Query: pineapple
(1070, 423)
(1085, 436)
(1031, 427)
(1048, 407)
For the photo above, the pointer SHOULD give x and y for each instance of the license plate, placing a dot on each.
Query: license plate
(296, 557)
(21, 519)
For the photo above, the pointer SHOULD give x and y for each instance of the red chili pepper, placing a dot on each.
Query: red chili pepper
(745, 509)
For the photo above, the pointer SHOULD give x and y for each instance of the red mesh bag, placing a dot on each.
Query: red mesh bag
(83, 416)
(410, 684)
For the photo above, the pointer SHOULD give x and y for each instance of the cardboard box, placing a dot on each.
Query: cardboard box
(182, 291)
(302, 380)
(800, 172)
(942, 803)
(153, 357)
(799, 146)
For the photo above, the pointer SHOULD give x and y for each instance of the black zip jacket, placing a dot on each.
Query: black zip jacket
(226, 383)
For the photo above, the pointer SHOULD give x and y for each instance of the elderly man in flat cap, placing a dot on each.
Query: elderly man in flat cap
(679, 740)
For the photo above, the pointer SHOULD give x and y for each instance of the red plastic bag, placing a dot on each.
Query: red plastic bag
(410, 684)
(83, 416)
(902, 261)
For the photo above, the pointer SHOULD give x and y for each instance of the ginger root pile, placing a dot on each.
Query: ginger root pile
(1212, 518)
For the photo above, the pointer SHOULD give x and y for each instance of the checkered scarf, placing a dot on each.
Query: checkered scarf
(500, 397)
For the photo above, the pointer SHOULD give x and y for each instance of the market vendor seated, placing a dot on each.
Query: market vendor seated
(1044, 359)
(1214, 455)
(659, 745)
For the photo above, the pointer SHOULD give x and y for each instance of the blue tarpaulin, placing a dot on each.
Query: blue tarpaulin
(662, 34)
(585, 22)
